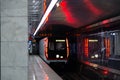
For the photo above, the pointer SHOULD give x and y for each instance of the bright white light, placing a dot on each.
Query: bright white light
(57, 4)
(61, 56)
(50, 7)
(33, 1)
(60, 40)
(57, 56)
(93, 40)
(92, 56)
(34, 77)
(96, 55)
(113, 34)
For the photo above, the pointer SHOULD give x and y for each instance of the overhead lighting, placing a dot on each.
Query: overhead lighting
(34, 7)
(36, 2)
(57, 4)
(93, 40)
(33, 1)
(60, 40)
(50, 7)
(113, 34)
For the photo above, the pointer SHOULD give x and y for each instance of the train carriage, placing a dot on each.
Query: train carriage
(54, 49)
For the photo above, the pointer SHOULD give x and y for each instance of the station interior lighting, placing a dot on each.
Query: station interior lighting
(57, 4)
(33, 1)
(93, 40)
(50, 7)
(113, 34)
(60, 40)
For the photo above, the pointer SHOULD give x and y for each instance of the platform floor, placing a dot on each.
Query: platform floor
(39, 70)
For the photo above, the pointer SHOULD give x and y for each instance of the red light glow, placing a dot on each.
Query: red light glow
(86, 47)
(88, 27)
(67, 47)
(44, 6)
(46, 76)
(86, 62)
(46, 47)
(69, 16)
(92, 7)
(105, 21)
(105, 72)
(107, 46)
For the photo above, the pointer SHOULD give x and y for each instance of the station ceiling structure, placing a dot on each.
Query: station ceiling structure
(70, 15)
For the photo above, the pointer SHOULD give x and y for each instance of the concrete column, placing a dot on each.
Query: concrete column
(14, 37)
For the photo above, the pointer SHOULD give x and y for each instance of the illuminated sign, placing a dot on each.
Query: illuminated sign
(60, 40)
(93, 40)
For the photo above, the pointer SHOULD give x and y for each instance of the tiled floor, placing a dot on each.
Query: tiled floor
(39, 70)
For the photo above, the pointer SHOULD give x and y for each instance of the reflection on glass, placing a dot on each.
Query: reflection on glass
(51, 46)
(60, 46)
(102, 48)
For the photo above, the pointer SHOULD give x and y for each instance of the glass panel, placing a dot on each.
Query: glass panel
(51, 45)
(102, 48)
(60, 46)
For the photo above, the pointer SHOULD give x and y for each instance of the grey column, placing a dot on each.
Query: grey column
(14, 37)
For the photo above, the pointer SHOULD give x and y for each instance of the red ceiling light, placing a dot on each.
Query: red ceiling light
(105, 21)
(67, 12)
(105, 72)
(92, 7)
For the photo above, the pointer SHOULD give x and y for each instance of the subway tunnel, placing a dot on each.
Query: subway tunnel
(60, 40)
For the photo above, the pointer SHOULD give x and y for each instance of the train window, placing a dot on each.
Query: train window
(103, 49)
(114, 58)
(115, 43)
(51, 45)
(60, 45)
(94, 49)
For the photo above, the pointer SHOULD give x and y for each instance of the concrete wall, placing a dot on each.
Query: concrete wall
(14, 35)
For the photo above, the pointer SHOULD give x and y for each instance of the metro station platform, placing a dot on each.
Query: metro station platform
(39, 70)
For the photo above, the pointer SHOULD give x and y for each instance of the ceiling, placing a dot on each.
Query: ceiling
(76, 14)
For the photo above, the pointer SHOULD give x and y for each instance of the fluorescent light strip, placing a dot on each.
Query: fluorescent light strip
(93, 40)
(50, 7)
(60, 40)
